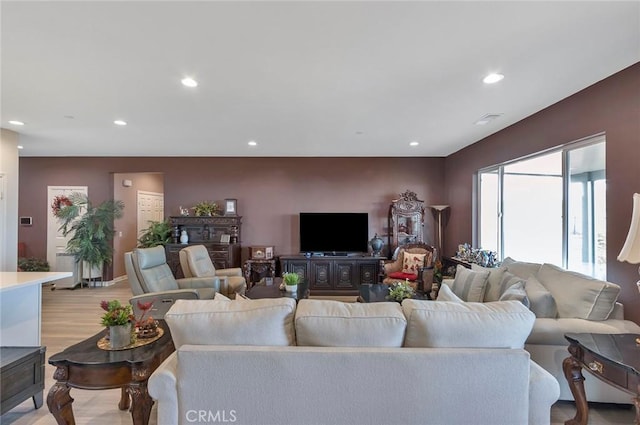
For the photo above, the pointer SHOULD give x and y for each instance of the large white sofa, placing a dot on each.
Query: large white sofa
(563, 302)
(327, 362)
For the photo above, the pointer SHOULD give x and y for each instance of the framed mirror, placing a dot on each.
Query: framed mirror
(406, 220)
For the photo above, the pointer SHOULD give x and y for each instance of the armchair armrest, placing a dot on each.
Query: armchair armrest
(163, 387)
(233, 271)
(199, 282)
(162, 301)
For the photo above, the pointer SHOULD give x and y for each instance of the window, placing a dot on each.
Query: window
(549, 207)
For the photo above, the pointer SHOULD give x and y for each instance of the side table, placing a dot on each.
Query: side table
(612, 358)
(255, 270)
(21, 376)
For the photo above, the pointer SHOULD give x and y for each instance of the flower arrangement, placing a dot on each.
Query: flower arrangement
(401, 290)
(146, 328)
(206, 208)
(116, 313)
(58, 203)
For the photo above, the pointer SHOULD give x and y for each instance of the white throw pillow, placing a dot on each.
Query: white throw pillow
(469, 285)
(327, 323)
(266, 321)
(446, 294)
(499, 324)
(493, 282)
(541, 301)
(577, 295)
(521, 268)
(516, 292)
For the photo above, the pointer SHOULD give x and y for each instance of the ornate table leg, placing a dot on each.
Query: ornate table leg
(58, 400)
(573, 373)
(141, 401)
(124, 404)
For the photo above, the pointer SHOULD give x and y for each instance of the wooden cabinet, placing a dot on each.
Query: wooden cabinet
(220, 235)
(254, 270)
(21, 376)
(333, 275)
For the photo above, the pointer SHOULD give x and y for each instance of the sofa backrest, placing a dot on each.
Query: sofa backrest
(340, 385)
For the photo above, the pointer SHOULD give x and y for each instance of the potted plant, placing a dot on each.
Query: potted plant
(401, 290)
(206, 208)
(291, 281)
(158, 233)
(117, 318)
(92, 230)
(32, 264)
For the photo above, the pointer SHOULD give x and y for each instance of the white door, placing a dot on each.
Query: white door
(56, 242)
(150, 208)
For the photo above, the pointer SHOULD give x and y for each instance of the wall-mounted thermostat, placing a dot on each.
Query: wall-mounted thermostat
(26, 221)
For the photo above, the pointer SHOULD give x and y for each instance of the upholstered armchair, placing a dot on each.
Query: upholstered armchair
(151, 280)
(195, 261)
(414, 262)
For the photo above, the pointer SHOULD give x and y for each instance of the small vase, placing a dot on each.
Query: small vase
(291, 288)
(184, 237)
(119, 336)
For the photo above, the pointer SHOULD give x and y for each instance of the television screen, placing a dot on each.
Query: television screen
(331, 233)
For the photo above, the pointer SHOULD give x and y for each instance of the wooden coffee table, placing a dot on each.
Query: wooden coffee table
(88, 367)
(612, 358)
(377, 292)
(269, 287)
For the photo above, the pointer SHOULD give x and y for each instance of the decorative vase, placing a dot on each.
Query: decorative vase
(184, 237)
(291, 288)
(376, 245)
(119, 336)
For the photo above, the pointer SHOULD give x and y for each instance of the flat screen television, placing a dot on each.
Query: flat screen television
(334, 233)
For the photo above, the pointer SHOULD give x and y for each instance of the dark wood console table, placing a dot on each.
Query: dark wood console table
(88, 367)
(334, 275)
(612, 358)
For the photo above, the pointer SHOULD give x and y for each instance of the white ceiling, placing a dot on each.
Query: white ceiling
(300, 78)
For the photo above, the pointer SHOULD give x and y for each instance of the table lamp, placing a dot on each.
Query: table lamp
(631, 249)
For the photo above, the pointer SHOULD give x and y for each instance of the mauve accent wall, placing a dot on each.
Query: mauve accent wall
(611, 106)
(270, 191)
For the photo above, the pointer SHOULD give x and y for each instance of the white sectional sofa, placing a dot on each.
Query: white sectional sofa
(562, 301)
(327, 362)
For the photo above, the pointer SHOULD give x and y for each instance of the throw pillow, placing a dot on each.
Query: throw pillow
(577, 295)
(521, 268)
(403, 276)
(516, 292)
(219, 297)
(500, 324)
(541, 301)
(412, 263)
(493, 283)
(446, 294)
(469, 285)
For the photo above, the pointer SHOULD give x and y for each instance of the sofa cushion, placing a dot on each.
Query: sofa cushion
(500, 324)
(493, 282)
(469, 285)
(521, 268)
(326, 323)
(516, 292)
(541, 301)
(551, 331)
(446, 294)
(577, 295)
(411, 263)
(238, 322)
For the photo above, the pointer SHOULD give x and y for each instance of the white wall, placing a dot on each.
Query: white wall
(9, 202)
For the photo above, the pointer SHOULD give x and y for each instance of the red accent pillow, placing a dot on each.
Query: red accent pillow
(401, 275)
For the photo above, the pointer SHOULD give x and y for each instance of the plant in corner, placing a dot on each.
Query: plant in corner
(206, 208)
(158, 233)
(91, 229)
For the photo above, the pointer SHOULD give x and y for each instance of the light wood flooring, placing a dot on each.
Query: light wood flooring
(69, 316)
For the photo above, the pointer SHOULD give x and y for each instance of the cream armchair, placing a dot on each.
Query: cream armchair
(195, 261)
(420, 272)
(151, 280)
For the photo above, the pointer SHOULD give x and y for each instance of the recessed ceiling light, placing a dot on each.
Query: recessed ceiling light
(20, 147)
(120, 122)
(492, 78)
(14, 122)
(189, 82)
(414, 143)
(252, 143)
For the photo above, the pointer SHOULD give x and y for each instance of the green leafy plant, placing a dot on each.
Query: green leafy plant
(91, 227)
(116, 314)
(158, 233)
(206, 208)
(437, 272)
(400, 291)
(33, 264)
(290, 279)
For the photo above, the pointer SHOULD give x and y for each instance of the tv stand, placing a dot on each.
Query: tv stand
(334, 275)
